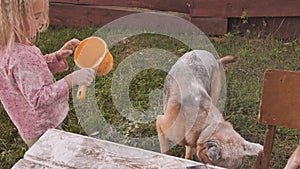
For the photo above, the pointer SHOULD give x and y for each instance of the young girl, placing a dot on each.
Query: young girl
(29, 93)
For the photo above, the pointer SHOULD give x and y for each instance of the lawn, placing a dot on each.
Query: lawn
(243, 79)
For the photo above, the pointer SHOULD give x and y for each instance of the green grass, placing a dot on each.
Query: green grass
(244, 81)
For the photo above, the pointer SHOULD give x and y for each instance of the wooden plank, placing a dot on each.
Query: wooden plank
(280, 99)
(25, 164)
(166, 5)
(211, 26)
(235, 8)
(60, 149)
(279, 27)
(81, 16)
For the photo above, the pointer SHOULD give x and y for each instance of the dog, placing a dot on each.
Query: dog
(191, 119)
(294, 160)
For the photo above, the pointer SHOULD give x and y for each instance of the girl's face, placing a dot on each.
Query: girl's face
(39, 8)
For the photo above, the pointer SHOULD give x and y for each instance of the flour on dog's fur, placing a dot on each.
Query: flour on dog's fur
(191, 117)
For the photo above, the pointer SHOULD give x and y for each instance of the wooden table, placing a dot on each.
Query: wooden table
(64, 150)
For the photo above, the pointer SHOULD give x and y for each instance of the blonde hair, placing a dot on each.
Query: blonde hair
(14, 14)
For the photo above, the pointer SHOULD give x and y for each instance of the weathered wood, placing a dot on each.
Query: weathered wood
(268, 146)
(165, 5)
(280, 27)
(211, 26)
(280, 103)
(57, 149)
(215, 17)
(235, 8)
(279, 107)
(25, 164)
(257, 162)
(94, 15)
(81, 16)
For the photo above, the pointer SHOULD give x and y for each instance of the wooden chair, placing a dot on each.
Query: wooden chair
(280, 106)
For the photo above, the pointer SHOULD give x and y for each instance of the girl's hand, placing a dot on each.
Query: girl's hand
(67, 49)
(83, 76)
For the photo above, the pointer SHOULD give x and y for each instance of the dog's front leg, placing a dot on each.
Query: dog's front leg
(170, 125)
(188, 152)
(161, 136)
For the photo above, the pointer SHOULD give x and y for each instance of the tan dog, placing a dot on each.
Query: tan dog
(191, 118)
(294, 160)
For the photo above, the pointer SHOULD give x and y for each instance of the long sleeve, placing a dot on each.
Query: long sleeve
(29, 93)
(35, 81)
(54, 65)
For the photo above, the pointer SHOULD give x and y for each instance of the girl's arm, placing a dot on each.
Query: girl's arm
(36, 82)
(57, 60)
(55, 65)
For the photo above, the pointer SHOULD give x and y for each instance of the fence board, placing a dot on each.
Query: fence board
(84, 15)
(213, 17)
(165, 5)
(235, 8)
(211, 26)
(280, 27)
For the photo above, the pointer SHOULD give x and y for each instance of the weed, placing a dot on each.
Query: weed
(244, 17)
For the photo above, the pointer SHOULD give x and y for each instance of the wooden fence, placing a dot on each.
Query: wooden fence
(280, 18)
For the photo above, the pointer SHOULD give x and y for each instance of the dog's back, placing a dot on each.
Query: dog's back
(191, 78)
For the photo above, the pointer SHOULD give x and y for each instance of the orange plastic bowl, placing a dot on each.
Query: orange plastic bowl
(93, 53)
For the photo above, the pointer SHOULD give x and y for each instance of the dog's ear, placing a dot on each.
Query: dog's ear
(210, 152)
(252, 149)
(213, 151)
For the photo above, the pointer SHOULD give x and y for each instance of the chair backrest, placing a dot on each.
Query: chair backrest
(279, 106)
(280, 101)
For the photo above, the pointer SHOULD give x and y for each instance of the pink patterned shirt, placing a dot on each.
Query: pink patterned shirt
(29, 93)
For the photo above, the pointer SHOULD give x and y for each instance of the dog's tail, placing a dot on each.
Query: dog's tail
(228, 59)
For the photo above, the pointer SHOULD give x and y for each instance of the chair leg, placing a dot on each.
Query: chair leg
(268, 145)
(257, 162)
